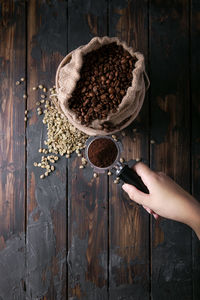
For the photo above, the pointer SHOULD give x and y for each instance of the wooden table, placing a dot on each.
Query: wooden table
(71, 236)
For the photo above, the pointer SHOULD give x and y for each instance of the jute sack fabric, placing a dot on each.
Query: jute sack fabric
(68, 74)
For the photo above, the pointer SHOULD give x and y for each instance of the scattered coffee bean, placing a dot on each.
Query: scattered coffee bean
(123, 133)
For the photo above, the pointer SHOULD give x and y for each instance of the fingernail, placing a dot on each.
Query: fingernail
(125, 187)
(149, 211)
(155, 216)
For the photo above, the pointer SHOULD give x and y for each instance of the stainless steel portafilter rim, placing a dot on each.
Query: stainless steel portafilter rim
(119, 150)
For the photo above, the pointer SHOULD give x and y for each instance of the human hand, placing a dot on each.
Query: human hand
(166, 198)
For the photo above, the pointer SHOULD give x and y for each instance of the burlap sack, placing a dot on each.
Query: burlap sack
(68, 74)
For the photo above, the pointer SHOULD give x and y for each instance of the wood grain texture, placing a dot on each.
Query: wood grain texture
(12, 118)
(170, 129)
(195, 96)
(129, 225)
(12, 149)
(85, 239)
(46, 206)
(87, 253)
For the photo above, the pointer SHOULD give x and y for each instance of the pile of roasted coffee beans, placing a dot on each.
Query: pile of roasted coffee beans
(105, 77)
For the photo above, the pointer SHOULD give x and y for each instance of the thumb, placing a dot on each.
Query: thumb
(135, 194)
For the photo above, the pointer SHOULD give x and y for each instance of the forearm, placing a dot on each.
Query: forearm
(195, 218)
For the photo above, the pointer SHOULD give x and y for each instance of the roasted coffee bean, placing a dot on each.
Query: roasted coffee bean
(90, 110)
(111, 90)
(94, 89)
(103, 97)
(86, 118)
(91, 94)
(110, 77)
(83, 89)
(86, 102)
(105, 77)
(94, 101)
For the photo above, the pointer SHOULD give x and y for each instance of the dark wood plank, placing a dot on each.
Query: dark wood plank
(46, 206)
(12, 150)
(87, 253)
(129, 225)
(170, 118)
(195, 88)
(87, 20)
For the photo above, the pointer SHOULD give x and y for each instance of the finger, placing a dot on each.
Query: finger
(150, 211)
(141, 169)
(144, 172)
(147, 209)
(135, 194)
(161, 173)
(156, 216)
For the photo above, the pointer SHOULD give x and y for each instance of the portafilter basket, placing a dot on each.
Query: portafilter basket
(121, 170)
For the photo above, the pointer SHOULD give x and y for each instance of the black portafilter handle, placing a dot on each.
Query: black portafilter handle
(129, 176)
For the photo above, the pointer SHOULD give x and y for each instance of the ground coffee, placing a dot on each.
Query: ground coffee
(105, 77)
(102, 152)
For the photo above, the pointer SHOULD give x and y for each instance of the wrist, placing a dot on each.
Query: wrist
(196, 227)
(195, 218)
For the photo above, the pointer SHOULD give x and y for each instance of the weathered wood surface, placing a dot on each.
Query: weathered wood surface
(71, 236)
(129, 224)
(12, 150)
(87, 196)
(46, 199)
(169, 49)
